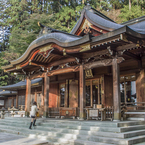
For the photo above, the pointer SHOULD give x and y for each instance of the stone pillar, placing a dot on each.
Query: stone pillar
(28, 97)
(17, 102)
(46, 95)
(82, 92)
(116, 90)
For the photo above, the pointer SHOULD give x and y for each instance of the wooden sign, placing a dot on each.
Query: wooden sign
(93, 113)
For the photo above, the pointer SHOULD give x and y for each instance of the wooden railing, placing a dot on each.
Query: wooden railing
(135, 105)
(106, 113)
(109, 113)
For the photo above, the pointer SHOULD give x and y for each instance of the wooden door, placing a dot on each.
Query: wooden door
(53, 96)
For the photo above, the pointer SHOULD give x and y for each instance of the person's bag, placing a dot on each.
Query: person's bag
(37, 114)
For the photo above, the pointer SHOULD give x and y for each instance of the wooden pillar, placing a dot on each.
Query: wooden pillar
(35, 96)
(46, 95)
(66, 100)
(116, 90)
(17, 101)
(124, 91)
(28, 97)
(82, 92)
(91, 93)
(43, 92)
(12, 103)
(99, 92)
(140, 87)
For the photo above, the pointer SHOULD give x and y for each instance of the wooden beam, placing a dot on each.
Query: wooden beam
(132, 55)
(105, 62)
(126, 47)
(37, 75)
(64, 70)
(63, 61)
(96, 53)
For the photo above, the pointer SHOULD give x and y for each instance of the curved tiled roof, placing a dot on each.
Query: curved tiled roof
(101, 22)
(21, 84)
(62, 39)
(67, 40)
(8, 93)
(139, 27)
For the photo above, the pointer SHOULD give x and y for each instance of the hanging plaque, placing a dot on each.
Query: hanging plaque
(88, 73)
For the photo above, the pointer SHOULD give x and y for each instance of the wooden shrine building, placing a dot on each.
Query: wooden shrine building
(86, 66)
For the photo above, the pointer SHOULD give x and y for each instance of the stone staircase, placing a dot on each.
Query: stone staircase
(74, 132)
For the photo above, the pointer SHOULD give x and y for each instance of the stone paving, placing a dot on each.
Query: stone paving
(4, 137)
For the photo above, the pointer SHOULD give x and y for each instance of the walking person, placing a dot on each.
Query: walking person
(33, 112)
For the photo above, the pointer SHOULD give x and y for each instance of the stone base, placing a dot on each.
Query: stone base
(45, 114)
(27, 114)
(83, 115)
(117, 116)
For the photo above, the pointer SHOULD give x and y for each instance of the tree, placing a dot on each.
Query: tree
(127, 14)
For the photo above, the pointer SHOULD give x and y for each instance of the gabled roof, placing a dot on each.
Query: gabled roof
(96, 18)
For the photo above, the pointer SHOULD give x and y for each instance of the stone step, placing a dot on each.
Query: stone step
(60, 123)
(57, 132)
(64, 138)
(99, 123)
(135, 119)
(143, 143)
(50, 139)
(25, 141)
(82, 142)
(82, 132)
(76, 122)
(130, 123)
(132, 128)
(116, 141)
(85, 128)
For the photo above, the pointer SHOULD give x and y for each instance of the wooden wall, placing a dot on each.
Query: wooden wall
(53, 95)
(73, 93)
(107, 91)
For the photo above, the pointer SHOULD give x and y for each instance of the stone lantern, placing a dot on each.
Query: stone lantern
(2, 112)
(13, 109)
